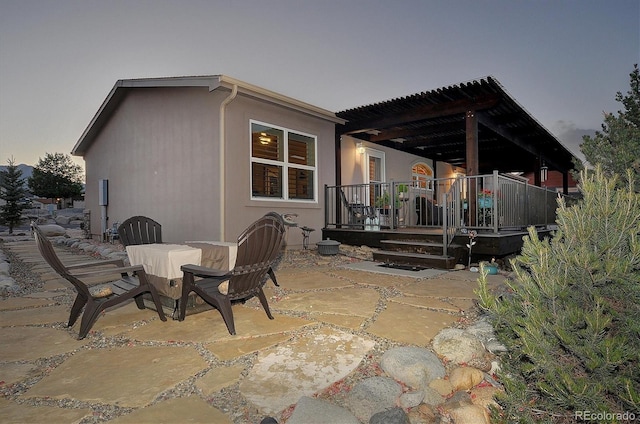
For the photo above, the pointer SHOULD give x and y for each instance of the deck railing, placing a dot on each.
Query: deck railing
(491, 202)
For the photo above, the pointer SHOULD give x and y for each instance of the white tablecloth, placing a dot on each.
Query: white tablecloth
(163, 260)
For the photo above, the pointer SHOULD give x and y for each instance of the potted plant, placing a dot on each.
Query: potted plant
(383, 202)
(403, 191)
(485, 199)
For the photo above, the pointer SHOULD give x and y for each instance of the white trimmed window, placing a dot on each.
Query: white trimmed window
(283, 163)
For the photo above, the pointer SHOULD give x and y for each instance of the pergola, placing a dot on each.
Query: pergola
(475, 125)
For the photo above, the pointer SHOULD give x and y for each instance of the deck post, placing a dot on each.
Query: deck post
(473, 162)
(494, 204)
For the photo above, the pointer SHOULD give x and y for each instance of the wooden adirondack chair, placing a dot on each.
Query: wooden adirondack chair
(259, 247)
(139, 230)
(131, 283)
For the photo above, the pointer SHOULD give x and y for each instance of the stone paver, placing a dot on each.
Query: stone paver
(240, 346)
(34, 316)
(209, 326)
(409, 324)
(114, 376)
(441, 287)
(347, 301)
(31, 343)
(219, 378)
(13, 372)
(302, 367)
(16, 413)
(23, 302)
(374, 279)
(176, 411)
(310, 280)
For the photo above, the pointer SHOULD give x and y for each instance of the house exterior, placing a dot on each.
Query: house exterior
(205, 157)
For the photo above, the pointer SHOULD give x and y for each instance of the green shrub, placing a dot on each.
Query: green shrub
(571, 316)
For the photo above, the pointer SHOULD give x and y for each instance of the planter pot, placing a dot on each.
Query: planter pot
(485, 202)
(493, 270)
(328, 247)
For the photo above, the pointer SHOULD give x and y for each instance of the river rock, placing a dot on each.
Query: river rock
(464, 378)
(414, 366)
(373, 395)
(458, 346)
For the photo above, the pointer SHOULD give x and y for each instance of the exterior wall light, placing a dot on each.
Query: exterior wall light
(360, 148)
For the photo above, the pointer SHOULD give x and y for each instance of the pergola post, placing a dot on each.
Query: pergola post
(472, 160)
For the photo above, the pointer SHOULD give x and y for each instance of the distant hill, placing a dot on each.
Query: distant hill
(26, 171)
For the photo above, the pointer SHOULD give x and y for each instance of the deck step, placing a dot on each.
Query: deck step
(408, 258)
(415, 246)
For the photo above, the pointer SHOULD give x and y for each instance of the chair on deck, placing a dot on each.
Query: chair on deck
(358, 212)
(132, 283)
(259, 247)
(139, 230)
(428, 212)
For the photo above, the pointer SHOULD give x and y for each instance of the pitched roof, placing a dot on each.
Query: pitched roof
(212, 82)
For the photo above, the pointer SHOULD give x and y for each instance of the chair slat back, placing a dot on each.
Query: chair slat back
(139, 230)
(259, 247)
(50, 256)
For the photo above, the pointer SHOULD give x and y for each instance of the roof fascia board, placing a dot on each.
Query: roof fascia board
(269, 96)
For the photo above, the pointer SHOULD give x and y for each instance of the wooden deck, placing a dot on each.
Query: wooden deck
(423, 246)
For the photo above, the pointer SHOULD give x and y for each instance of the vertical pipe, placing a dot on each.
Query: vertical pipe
(221, 160)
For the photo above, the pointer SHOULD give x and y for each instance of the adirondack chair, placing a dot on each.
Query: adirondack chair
(358, 212)
(132, 283)
(283, 248)
(139, 230)
(258, 249)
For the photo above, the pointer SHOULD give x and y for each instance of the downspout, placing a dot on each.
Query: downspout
(223, 142)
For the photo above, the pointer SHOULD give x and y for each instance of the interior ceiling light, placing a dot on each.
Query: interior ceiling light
(264, 139)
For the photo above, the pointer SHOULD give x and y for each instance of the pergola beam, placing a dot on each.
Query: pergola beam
(422, 113)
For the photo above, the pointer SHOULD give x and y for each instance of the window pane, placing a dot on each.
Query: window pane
(266, 180)
(300, 183)
(301, 149)
(267, 142)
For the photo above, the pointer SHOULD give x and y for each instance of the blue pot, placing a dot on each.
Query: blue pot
(493, 270)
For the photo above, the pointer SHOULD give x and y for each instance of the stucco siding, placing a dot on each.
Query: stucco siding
(241, 210)
(157, 152)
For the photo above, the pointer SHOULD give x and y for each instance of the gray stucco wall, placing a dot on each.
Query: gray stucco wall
(159, 152)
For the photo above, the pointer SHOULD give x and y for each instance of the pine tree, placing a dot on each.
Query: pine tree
(617, 147)
(11, 191)
(571, 317)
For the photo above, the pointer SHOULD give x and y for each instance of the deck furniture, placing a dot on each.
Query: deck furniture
(259, 247)
(131, 283)
(428, 212)
(139, 230)
(358, 212)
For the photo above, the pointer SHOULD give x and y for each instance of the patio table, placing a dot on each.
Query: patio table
(162, 262)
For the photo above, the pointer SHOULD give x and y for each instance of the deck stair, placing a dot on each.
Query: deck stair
(417, 253)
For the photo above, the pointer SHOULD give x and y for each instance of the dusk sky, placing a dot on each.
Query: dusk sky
(563, 61)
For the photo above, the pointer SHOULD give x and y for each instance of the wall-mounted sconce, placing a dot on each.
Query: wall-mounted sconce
(359, 148)
(544, 172)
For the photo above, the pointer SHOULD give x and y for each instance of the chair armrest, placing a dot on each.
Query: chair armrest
(118, 270)
(117, 262)
(203, 271)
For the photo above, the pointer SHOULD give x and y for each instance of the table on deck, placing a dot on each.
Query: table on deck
(162, 262)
